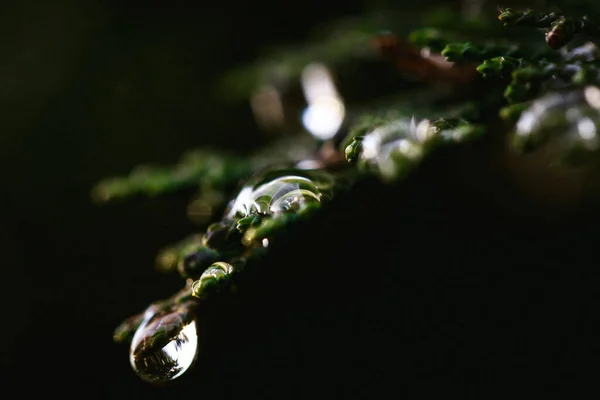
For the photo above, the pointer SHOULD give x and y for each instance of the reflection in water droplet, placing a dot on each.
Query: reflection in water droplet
(164, 346)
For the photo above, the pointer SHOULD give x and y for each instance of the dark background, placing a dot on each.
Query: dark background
(457, 282)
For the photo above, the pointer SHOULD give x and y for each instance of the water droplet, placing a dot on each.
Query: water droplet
(165, 344)
(217, 276)
(281, 191)
(394, 148)
(565, 122)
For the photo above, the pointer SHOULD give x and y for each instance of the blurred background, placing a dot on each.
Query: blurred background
(93, 88)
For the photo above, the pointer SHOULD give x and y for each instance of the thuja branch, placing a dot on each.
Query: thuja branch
(464, 82)
(559, 29)
(208, 169)
(528, 77)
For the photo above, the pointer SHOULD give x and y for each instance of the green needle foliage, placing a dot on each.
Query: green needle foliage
(559, 29)
(460, 82)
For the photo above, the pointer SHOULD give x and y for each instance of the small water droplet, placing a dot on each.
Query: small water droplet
(217, 276)
(165, 345)
(280, 191)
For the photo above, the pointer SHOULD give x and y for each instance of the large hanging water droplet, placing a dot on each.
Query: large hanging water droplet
(281, 191)
(165, 345)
